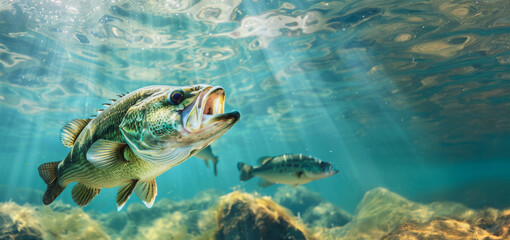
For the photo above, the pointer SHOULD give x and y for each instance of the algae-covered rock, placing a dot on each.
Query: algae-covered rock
(384, 214)
(16, 223)
(486, 227)
(29, 222)
(381, 211)
(193, 224)
(72, 223)
(245, 216)
(380, 215)
(167, 219)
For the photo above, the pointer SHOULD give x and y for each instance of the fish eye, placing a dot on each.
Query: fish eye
(196, 88)
(176, 96)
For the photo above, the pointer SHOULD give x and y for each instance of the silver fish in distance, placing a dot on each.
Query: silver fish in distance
(135, 139)
(292, 169)
(207, 155)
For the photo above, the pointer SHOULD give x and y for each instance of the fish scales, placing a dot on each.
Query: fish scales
(104, 126)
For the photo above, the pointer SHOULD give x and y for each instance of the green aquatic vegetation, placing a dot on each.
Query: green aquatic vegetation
(51, 223)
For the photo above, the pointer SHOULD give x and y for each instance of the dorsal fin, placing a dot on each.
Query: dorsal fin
(264, 160)
(71, 130)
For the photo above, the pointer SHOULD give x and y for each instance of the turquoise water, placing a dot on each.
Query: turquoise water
(411, 96)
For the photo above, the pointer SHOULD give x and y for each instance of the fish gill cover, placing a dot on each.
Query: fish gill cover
(410, 96)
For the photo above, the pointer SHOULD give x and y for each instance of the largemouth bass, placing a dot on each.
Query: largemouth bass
(292, 169)
(134, 140)
(207, 155)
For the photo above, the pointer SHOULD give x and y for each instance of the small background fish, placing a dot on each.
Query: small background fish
(207, 155)
(292, 169)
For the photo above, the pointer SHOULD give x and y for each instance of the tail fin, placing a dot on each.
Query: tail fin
(246, 171)
(48, 173)
(215, 163)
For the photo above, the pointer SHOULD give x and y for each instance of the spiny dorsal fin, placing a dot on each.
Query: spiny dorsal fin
(265, 183)
(122, 94)
(71, 130)
(147, 192)
(105, 154)
(124, 193)
(264, 160)
(83, 194)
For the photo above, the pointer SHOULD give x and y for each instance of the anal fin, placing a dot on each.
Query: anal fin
(71, 130)
(265, 183)
(106, 154)
(83, 194)
(147, 192)
(124, 192)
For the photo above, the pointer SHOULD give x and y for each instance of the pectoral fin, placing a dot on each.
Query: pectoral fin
(265, 183)
(83, 194)
(124, 193)
(106, 154)
(71, 130)
(147, 192)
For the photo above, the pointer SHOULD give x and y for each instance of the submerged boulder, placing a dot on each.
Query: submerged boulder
(17, 225)
(485, 226)
(245, 216)
(34, 222)
(383, 214)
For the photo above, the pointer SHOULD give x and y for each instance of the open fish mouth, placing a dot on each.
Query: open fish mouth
(332, 170)
(207, 109)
